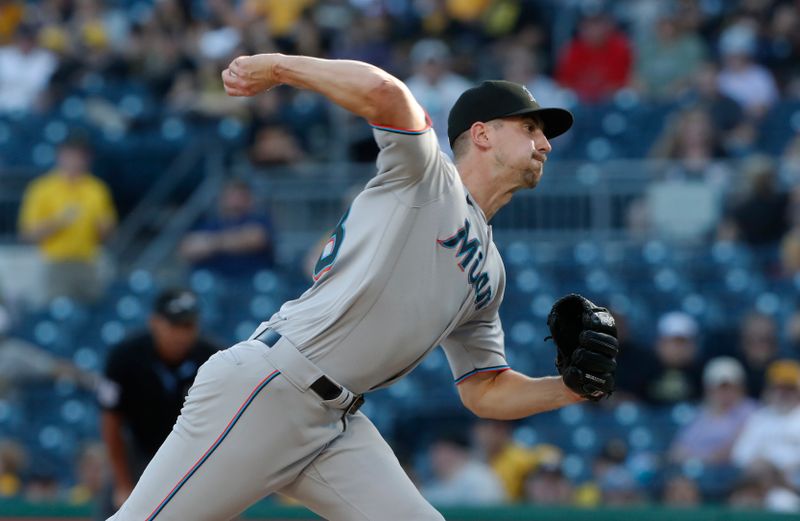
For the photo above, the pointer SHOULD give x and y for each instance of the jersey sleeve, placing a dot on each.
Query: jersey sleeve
(411, 163)
(476, 346)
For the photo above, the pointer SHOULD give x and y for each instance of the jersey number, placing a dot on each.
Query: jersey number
(331, 249)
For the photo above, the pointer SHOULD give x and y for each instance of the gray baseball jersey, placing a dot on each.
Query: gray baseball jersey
(411, 265)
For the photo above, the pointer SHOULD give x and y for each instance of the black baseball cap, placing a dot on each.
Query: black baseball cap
(495, 99)
(178, 306)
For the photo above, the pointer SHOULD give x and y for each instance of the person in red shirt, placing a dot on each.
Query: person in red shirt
(597, 62)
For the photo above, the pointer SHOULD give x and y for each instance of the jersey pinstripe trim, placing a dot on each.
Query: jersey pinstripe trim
(494, 368)
(214, 446)
(428, 124)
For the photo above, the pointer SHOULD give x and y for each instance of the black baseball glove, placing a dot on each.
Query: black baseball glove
(586, 338)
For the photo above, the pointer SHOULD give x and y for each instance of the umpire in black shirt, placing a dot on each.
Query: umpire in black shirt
(147, 377)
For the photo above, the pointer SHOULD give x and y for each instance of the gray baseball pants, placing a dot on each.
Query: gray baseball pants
(250, 426)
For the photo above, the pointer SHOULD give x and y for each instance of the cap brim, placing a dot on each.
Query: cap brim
(556, 121)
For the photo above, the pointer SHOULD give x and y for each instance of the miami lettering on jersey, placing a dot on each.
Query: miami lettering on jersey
(469, 250)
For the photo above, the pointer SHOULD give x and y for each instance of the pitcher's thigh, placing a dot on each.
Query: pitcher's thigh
(358, 478)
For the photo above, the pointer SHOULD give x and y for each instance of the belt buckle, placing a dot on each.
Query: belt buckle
(355, 405)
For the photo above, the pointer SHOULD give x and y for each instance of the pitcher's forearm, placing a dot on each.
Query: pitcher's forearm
(510, 395)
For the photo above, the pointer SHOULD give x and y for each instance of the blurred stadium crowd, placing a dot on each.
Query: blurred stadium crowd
(708, 407)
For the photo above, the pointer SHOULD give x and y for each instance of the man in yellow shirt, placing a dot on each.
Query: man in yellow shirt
(69, 213)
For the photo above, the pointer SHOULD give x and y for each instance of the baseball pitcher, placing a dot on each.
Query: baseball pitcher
(410, 266)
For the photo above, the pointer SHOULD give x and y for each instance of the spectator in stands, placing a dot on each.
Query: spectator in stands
(509, 460)
(237, 241)
(365, 40)
(610, 461)
(783, 46)
(747, 82)
(790, 165)
(681, 491)
(668, 59)
(546, 483)
(619, 488)
(772, 434)
(790, 242)
(11, 14)
(22, 362)
(285, 126)
(25, 70)
(90, 474)
(458, 477)
(597, 62)
(279, 16)
(42, 482)
(673, 375)
(725, 409)
(275, 145)
(433, 83)
(147, 377)
(13, 459)
(760, 217)
(154, 54)
(694, 178)
(726, 115)
(762, 487)
(68, 213)
(521, 65)
(792, 332)
(757, 348)
(691, 140)
(749, 492)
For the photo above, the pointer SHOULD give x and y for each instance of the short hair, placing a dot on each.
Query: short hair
(77, 141)
(461, 143)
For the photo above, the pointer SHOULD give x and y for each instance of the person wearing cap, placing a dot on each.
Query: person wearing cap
(546, 484)
(726, 408)
(433, 84)
(146, 378)
(772, 434)
(674, 375)
(411, 265)
(749, 83)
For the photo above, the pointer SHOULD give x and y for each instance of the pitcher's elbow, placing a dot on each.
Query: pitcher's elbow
(388, 97)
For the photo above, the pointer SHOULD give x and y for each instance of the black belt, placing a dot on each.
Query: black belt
(325, 388)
